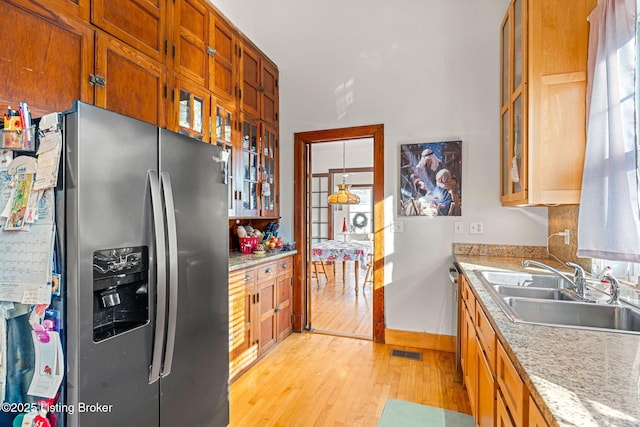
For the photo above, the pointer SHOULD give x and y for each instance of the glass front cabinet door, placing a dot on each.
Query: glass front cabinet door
(250, 165)
(269, 172)
(225, 137)
(192, 110)
(513, 103)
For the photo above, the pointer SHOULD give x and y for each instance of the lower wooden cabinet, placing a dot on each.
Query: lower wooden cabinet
(503, 418)
(470, 368)
(513, 390)
(497, 395)
(259, 311)
(486, 391)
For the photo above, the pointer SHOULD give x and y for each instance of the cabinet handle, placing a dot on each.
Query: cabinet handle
(247, 278)
(268, 270)
(211, 51)
(277, 309)
(285, 265)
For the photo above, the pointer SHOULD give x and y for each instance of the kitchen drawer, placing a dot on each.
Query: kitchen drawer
(503, 418)
(514, 392)
(285, 265)
(487, 337)
(267, 271)
(240, 278)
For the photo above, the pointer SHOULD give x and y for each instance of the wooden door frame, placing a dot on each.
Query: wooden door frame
(303, 140)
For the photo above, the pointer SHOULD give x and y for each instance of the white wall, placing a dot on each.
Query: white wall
(358, 153)
(429, 71)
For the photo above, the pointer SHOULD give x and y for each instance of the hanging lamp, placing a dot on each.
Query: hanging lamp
(343, 196)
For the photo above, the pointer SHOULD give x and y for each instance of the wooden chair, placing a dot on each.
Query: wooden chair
(368, 277)
(314, 275)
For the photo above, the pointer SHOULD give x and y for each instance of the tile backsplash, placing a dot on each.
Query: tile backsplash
(561, 218)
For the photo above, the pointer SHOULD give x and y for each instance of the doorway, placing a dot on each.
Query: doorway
(340, 294)
(303, 222)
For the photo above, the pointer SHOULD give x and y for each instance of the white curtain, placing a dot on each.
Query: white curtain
(609, 218)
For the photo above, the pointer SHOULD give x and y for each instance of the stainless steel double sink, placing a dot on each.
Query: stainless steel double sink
(547, 300)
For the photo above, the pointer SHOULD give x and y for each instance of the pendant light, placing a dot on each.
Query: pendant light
(343, 196)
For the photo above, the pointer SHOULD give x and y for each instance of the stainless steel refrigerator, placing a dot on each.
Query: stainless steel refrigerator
(145, 220)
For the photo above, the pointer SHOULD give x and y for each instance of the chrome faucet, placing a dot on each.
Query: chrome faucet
(558, 273)
(615, 291)
(579, 279)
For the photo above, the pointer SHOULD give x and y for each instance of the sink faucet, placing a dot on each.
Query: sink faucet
(528, 262)
(579, 279)
(615, 290)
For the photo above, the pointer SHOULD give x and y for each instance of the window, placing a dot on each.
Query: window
(627, 271)
(361, 215)
(319, 207)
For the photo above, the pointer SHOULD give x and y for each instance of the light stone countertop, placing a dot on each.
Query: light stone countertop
(577, 377)
(239, 261)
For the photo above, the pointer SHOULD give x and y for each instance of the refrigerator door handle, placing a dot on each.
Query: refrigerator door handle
(161, 276)
(172, 237)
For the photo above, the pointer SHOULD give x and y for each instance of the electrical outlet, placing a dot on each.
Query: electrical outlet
(458, 227)
(397, 226)
(475, 228)
(567, 236)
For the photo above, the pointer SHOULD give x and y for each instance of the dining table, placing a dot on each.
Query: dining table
(356, 251)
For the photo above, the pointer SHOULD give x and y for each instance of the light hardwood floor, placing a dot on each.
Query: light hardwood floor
(335, 307)
(313, 379)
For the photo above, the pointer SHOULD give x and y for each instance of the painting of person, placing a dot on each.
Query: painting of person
(424, 173)
(430, 179)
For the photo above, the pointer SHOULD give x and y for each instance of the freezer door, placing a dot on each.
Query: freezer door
(194, 388)
(108, 157)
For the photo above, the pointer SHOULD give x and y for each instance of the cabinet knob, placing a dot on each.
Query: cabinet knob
(247, 278)
(211, 51)
(285, 265)
(268, 270)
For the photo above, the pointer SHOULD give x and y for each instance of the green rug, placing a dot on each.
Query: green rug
(400, 413)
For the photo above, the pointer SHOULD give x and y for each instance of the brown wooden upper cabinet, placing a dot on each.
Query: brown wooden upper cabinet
(192, 109)
(139, 23)
(543, 89)
(258, 163)
(52, 69)
(178, 64)
(257, 170)
(56, 10)
(223, 59)
(129, 82)
(204, 48)
(259, 85)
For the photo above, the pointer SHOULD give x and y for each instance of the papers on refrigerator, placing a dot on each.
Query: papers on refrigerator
(48, 160)
(26, 256)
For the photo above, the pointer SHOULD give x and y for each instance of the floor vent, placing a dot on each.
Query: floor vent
(413, 355)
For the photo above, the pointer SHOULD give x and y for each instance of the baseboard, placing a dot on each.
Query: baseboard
(420, 340)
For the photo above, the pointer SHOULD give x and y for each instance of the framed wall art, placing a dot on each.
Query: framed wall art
(431, 179)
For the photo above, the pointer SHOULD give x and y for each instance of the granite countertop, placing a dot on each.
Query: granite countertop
(576, 377)
(239, 261)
